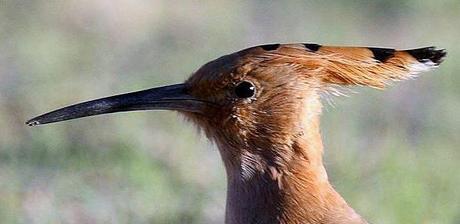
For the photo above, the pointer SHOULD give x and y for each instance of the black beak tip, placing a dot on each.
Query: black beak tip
(32, 122)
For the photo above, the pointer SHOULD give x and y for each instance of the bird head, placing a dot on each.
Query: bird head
(261, 104)
(257, 102)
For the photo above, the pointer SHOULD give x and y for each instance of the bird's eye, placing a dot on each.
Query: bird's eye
(245, 89)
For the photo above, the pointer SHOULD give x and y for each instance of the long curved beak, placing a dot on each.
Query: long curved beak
(174, 97)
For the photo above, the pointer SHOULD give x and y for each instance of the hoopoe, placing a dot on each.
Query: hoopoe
(261, 106)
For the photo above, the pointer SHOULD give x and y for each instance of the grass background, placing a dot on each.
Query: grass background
(393, 155)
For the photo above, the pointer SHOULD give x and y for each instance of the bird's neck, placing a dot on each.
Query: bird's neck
(291, 190)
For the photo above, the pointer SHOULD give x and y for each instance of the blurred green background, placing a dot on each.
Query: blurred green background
(393, 155)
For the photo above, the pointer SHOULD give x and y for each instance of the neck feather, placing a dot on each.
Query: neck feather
(291, 190)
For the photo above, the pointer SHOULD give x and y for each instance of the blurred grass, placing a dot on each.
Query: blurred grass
(393, 155)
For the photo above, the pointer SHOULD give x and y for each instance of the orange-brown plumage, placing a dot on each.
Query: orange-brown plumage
(262, 108)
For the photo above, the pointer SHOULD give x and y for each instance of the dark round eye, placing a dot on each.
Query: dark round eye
(245, 89)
